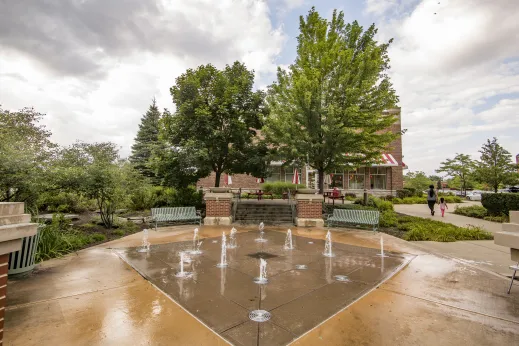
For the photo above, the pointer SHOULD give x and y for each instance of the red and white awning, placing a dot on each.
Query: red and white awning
(387, 161)
(228, 179)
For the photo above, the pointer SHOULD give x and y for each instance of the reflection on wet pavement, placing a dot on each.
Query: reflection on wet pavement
(298, 299)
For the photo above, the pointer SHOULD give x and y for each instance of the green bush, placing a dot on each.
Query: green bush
(388, 218)
(423, 200)
(119, 232)
(64, 202)
(419, 229)
(498, 204)
(476, 211)
(406, 192)
(350, 195)
(143, 198)
(377, 203)
(501, 219)
(98, 237)
(279, 187)
(164, 196)
(57, 239)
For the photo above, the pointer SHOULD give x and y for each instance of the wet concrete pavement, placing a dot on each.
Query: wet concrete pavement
(94, 298)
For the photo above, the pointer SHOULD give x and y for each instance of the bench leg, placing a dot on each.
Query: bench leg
(155, 226)
(512, 282)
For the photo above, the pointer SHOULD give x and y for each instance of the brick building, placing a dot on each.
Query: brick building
(381, 179)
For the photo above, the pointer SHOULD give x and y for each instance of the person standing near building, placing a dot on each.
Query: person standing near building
(432, 198)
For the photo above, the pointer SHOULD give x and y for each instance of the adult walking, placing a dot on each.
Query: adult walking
(432, 198)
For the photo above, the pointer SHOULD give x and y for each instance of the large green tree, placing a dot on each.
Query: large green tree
(417, 180)
(214, 125)
(147, 138)
(461, 166)
(331, 100)
(25, 155)
(495, 166)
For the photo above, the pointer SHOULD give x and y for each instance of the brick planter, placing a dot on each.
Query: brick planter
(14, 226)
(309, 210)
(218, 208)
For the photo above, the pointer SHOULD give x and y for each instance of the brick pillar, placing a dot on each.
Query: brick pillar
(218, 208)
(309, 210)
(14, 226)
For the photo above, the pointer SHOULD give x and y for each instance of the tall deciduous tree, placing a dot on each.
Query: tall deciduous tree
(216, 115)
(495, 166)
(331, 100)
(147, 138)
(417, 180)
(461, 166)
(25, 154)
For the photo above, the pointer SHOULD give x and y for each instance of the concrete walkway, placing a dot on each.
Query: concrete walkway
(422, 210)
(93, 298)
(483, 254)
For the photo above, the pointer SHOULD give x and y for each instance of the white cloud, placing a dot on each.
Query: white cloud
(445, 66)
(110, 108)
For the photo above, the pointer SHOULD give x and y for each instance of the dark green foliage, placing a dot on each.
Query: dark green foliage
(58, 239)
(500, 219)
(119, 232)
(337, 85)
(461, 166)
(419, 229)
(376, 203)
(499, 204)
(409, 192)
(496, 167)
(64, 202)
(476, 211)
(213, 128)
(423, 200)
(388, 218)
(145, 141)
(417, 181)
(279, 187)
(98, 237)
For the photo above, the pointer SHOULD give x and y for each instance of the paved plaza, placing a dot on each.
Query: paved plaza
(94, 297)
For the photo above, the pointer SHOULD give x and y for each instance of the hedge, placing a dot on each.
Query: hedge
(500, 203)
(279, 187)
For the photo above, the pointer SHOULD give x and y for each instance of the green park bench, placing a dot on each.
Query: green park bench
(177, 214)
(355, 217)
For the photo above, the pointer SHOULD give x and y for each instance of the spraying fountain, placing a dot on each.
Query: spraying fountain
(262, 279)
(381, 254)
(232, 239)
(182, 273)
(328, 245)
(288, 241)
(223, 256)
(261, 239)
(145, 243)
(196, 243)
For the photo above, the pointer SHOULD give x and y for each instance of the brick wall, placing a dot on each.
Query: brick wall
(309, 210)
(218, 208)
(3, 291)
(395, 149)
(238, 180)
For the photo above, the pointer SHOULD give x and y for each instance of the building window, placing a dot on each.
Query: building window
(356, 179)
(275, 176)
(378, 178)
(337, 180)
(289, 175)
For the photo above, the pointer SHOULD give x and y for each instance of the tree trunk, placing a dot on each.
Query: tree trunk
(217, 179)
(321, 181)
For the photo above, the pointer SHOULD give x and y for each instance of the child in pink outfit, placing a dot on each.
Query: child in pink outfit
(443, 206)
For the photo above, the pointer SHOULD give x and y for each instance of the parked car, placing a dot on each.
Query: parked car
(514, 189)
(474, 196)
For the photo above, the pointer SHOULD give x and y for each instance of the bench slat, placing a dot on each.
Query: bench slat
(366, 217)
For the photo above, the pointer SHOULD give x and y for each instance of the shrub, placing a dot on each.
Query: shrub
(143, 198)
(57, 239)
(501, 219)
(476, 211)
(98, 237)
(388, 218)
(65, 202)
(418, 229)
(119, 232)
(498, 204)
(350, 195)
(423, 200)
(164, 196)
(279, 187)
(408, 192)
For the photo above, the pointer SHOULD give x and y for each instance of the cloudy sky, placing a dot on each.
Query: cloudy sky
(93, 66)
